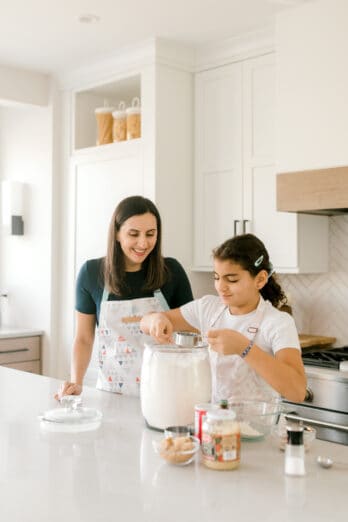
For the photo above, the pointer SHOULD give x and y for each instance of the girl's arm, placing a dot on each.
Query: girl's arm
(81, 354)
(284, 371)
(161, 325)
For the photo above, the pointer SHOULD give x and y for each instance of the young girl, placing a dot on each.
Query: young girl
(114, 292)
(255, 350)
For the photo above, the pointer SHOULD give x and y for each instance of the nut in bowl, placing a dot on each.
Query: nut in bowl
(177, 450)
(256, 417)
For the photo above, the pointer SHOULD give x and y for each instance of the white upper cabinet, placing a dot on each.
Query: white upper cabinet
(235, 173)
(312, 86)
(157, 165)
(218, 177)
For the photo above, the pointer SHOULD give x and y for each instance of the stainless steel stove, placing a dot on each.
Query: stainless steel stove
(326, 403)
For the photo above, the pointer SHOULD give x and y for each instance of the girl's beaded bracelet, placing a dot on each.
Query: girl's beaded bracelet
(247, 349)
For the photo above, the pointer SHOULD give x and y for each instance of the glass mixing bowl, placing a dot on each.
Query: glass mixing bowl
(256, 417)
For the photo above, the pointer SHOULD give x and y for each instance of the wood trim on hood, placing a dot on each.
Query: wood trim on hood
(319, 191)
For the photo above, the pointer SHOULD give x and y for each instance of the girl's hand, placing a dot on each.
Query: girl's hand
(227, 342)
(159, 326)
(68, 388)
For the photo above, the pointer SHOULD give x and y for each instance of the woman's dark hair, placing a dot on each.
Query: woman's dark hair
(250, 253)
(114, 263)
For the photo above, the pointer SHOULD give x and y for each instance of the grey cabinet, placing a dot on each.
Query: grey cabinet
(21, 353)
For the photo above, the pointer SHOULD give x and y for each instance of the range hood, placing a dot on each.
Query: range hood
(320, 191)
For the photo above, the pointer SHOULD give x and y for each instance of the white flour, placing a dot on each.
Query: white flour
(172, 382)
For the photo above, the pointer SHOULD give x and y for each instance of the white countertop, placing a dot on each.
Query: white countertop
(8, 333)
(113, 474)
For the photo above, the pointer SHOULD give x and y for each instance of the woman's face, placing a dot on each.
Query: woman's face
(137, 237)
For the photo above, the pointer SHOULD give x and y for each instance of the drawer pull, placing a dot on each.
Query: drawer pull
(17, 350)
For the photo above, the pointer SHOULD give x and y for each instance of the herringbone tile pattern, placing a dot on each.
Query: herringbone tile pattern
(320, 302)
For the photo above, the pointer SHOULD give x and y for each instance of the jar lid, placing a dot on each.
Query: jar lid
(104, 110)
(72, 417)
(221, 415)
(119, 114)
(121, 111)
(135, 107)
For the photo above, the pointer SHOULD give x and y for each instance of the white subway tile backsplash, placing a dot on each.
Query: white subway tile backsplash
(320, 302)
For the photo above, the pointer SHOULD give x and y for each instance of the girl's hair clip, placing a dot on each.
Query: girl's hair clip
(258, 261)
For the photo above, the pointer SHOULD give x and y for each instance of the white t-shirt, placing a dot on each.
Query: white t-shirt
(232, 376)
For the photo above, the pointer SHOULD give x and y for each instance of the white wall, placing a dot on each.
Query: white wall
(26, 156)
(312, 132)
(19, 86)
(312, 86)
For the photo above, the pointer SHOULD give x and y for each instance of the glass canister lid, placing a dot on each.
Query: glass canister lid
(120, 112)
(107, 108)
(135, 107)
(71, 417)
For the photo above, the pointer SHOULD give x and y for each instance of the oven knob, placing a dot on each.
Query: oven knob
(309, 395)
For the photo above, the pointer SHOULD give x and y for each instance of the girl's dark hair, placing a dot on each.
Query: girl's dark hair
(114, 263)
(250, 253)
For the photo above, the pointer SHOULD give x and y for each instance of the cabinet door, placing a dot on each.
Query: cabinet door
(218, 154)
(259, 163)
(292, 240)
(102, 180)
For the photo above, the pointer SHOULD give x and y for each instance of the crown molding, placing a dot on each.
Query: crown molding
(132, 59)
(118, 64)
(129, 60)
(234, 49)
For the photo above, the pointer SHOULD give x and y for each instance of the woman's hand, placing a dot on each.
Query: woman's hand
(68, 388)
(158, 326)
(227, 342)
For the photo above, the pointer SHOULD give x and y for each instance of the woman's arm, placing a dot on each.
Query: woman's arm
(161, 325)
(284, 371)
(81, 354)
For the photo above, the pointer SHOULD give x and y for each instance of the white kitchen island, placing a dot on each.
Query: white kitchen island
(112, 474)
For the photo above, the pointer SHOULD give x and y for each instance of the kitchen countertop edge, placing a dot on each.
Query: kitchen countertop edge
(12, 333)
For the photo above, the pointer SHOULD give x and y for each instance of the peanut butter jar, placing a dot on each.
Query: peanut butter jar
(221, 440)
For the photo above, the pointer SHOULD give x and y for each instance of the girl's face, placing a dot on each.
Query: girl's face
(137, 237)
(236, 287)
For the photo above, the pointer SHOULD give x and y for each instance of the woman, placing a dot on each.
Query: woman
(115, 291)
(255, 350)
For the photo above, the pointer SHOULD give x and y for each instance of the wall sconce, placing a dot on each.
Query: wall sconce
(12, 207)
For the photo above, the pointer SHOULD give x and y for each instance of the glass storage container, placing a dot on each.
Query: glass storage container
(173, 381)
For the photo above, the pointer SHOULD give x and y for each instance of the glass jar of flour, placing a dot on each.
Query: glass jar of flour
(173, 380)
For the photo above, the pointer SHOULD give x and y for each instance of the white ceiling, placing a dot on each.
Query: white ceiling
(46, 35)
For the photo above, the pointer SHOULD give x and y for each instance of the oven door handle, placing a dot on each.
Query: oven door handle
(294, 417)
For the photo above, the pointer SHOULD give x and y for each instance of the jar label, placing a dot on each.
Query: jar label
(221, 448)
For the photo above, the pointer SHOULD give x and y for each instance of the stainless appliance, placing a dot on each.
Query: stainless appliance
(326, 402)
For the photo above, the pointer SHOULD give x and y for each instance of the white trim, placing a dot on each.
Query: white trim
(129, 60)
(234, 49)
